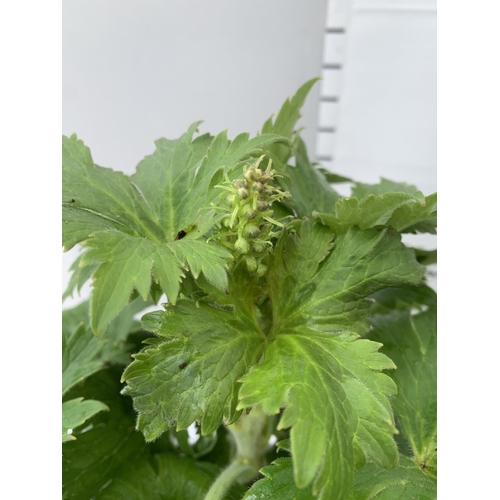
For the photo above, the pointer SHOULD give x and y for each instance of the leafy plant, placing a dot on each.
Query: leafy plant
(297, 338)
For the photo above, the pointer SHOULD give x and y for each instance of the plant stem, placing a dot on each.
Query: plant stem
(251, 435)
(228, 476)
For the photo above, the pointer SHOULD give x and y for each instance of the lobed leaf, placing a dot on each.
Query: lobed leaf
(406, 481)
(76, 412)
(190, 373)
(411, 341)
(333, 393)
(164, 477)
(335, 298)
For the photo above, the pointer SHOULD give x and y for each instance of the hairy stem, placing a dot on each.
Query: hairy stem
(251, 434)
(227, 477)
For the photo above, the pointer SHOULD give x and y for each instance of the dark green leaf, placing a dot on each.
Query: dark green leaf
(76, 412)
(411, 342)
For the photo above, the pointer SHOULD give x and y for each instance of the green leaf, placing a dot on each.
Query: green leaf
(190, 373)
(126, 263)
(360, 190)
(416, 218)
(329, 292)
(79, 357)
(334, 178)
(411, 342)
(131, 223)
(278, 483)
(286, 120)
(426, 257)
(76, 412)
(309, 189)
(333, 392)
(101, 451)
(368, 212)
(79, 276)
(403, 298)
(165, 477)
(404, 482)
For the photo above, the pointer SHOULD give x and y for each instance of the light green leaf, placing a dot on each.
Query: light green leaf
(335, 297)
(286, 120)
(76, 412)
(403, 298)
(79, 276)
(333, 392)
(126, 263)
(165, 477)
(360, 190)
(131, 223)
(309, 189)
(404, 482)
(416, 218)
(368, 212)
(190, 373)
(79, 357)
(278, 483)
(411, 342)
(334, 178)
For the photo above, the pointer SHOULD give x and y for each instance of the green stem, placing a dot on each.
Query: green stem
(228, 476)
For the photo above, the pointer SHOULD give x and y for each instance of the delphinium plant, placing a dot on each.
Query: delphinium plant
(296, 336)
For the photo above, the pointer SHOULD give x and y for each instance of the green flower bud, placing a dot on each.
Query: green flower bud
(251, 231)
(248, 212)
(261, 269)
(262, 205)
(257, 173)
(259, 247)
(242, 193)
(251, 263)
(249, 175)
(266, 177)
(230, 199)
(226, 221)
(258, 186)
(238, 183)
(242, 245)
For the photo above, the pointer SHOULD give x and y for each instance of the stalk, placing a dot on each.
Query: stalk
(251, 434)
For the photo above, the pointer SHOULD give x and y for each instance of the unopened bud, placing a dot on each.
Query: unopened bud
(238, 183)
(242, 193)
(242, 245)
(258, 186)
(251, 231)
(251, 263)
(248, 212)
(258, 247)
(262, 205)
(261, 269)
(230, 199)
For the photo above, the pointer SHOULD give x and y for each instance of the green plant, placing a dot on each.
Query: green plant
(289, 308)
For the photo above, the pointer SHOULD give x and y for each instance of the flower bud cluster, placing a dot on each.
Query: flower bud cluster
(247, 227)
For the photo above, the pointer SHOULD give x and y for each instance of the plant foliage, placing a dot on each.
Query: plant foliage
(290, 313)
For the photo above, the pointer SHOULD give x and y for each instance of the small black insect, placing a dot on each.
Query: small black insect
(180, 235)
(183, 365)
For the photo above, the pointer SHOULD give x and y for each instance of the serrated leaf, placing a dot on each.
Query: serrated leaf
(403, 298)
(404, 482)
(76, 412)
(79, 276)
(368, 212)
(309, 189)
(190, 372)
(334, 178)
(426, 257)
(100, 451)
(333, 392)
(278, 482)
(126, 263)
(360, 190)
(79, 357)
(411, 341)
(335, 297)
(286, 120)
(131, 223)
(165, 477)
(416, 218)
